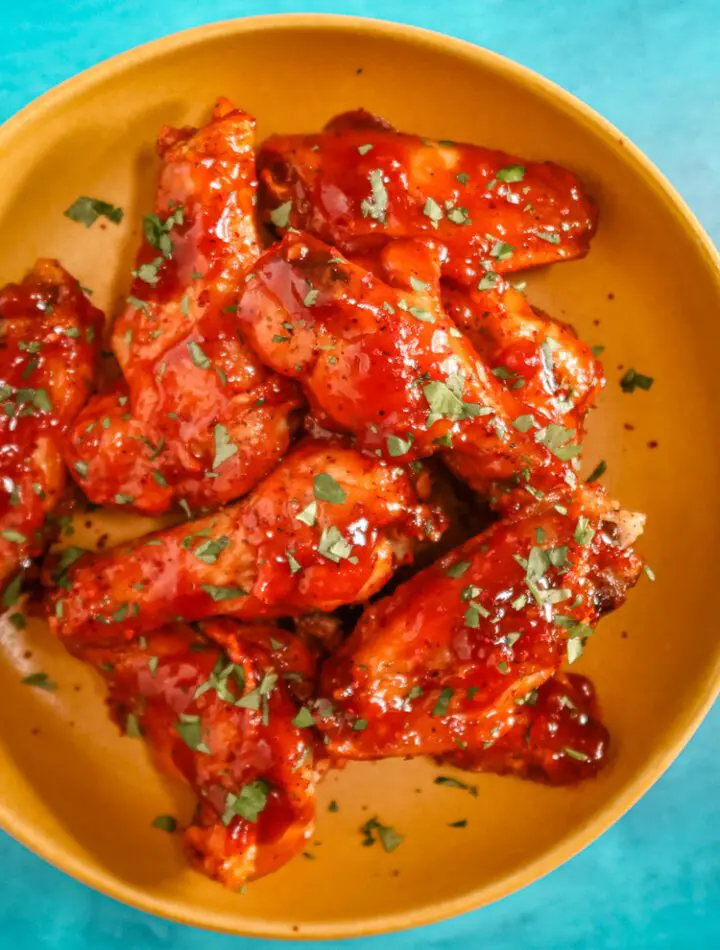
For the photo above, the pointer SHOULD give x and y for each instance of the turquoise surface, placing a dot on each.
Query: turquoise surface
(653, 68)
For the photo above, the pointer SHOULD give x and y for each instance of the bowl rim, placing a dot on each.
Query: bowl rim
(103, 881)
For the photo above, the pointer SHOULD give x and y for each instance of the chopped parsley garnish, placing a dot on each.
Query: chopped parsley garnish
(190, 730)
(12, 591)
(225, 448)
(311, 297)
(575, 754)
(450, 782)
(445, 401)
(209, 551)
(376, 206)
(280, 216)
(198, 356)
(325, 488)
(583, 532)
(443, 702)
(418, 285)
(132, 726)
(488, 281)
(165, 823)
(398, 446)
(597, 472)
(15, 537)
(462, 823)
(364, 149)
(249, 803)
(219, 594)
(333, 545)
(433, 211)
(87, 210)
(552, 237)
(511, 173)
(633, 380)
(40, 681)
(303, 719)
(457, 569)
(374, 830)
(308, 515)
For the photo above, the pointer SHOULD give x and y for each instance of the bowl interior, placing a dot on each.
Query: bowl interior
(84, 797)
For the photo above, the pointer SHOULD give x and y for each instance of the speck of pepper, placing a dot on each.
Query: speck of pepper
(295, 928)
(104, 538)
(611, 296)
(88, 523)
(396, 873)
(359, 71)
(629, 426)
(596, 323)
(27, 655)
(624, 634)
(77, 688)
(35, 731)
(652, 444)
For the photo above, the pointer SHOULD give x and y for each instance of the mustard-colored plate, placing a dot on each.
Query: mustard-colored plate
(84, 798)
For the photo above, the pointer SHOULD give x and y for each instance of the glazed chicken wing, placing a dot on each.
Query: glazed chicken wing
(552, 373)
(555, 736)
(390, 367)
(224, 716)
(49, 339)
(441, 662)
(199, 418)
(359, 184)
(328, 527)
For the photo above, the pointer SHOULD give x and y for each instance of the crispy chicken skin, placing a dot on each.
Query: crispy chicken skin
(359, 184)
(386, 365)
(441, 662)
(216, 709)
(197, 417)
(49, 339)
(328, 527)
(555, 737)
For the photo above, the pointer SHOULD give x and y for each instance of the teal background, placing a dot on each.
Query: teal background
(653, 68)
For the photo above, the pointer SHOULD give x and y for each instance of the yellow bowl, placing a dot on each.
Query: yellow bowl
(81, 796)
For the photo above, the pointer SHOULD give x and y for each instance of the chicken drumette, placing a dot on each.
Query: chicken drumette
(360, 183)
(197, 417)
(50, 335)
(328, 527)
(222, 710)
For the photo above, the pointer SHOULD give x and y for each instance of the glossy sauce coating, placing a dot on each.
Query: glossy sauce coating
(556, 736)
(50, 335)
(541, 360)
(251, 768)
(440, 663)
(384, 364)
(285, 549)
(198, 417)
(359, 184)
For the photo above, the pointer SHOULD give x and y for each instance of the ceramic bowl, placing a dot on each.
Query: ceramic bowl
(83, 797)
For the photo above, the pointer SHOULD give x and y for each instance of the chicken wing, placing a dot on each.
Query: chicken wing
(556, 736)
(553, 373)
(440, 663)
(200, 418)
(360, 183)
(390, 367)
(49, 339)
(224, 716)
(328, 527)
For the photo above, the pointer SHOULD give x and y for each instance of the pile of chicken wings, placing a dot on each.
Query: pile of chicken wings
(323, 344)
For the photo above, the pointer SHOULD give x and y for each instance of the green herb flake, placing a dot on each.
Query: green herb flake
(374, 830)
(308, 515)
(249, 803)
(450, 782)
(86, 211)
(325, 488)
(511, 173)
(40, 681)
(280, 216)
(198, 356)
(225, 448)
(303, 719)
(633, 380)
(433, 211)
(443, 702)
(376, 206)
(457, 569)
(165, 823)
(597, 472)
(219, 594)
